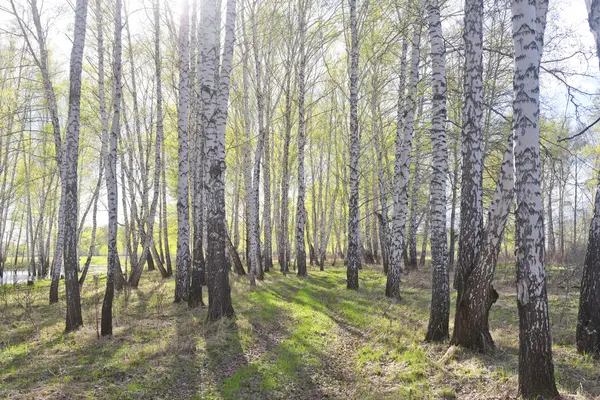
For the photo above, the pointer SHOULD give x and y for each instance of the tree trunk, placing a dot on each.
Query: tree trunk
(42, 62)
(300, 212)
(182, 258)
(402, 164)
(551, 239)
(471, 206)
(214, 119)
(104, 127)
(536, 369)
(283, 245)
(453, 212)
(71, 255)
(414, 205)
(111, 179)
(353, 257)
(198, 277)
(440, 293)
(471, 328)
(424, 242)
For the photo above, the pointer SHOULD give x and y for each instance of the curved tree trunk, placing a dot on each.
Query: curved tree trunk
(471, 329)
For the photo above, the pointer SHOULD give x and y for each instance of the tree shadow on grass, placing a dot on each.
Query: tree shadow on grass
(64, 366)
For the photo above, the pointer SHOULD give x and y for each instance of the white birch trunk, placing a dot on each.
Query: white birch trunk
(182, 258)
(353, 258)
(214, 119)
(111, 178)
(440, 295)
(536, 369)
(300, 210)
(402, 165)
(71, 255)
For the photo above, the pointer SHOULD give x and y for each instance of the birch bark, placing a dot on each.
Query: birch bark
(536, 369)
(440, 292)
(402, 165)
(71, 255)
(111, 177)
(182, 258)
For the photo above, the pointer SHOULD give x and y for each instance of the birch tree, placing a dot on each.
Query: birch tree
(471, 206)
(182, 258)
(404, 136)
(300, 210)
(536, 369)
(111, 178)
(104, 129)
(440, 295)
(214, 119)
(41, 61)
(354, 255)
(71, 254)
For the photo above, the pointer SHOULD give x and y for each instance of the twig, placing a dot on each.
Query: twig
(582, 132)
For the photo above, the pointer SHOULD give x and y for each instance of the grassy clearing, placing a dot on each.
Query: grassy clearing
(292, 338)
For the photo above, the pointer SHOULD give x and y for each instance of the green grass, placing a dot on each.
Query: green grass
(292, 338)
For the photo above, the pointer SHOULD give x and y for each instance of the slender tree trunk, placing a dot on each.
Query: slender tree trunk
(440, 293)
(50, 97)
(165, 220)
(104, 127)
(198, 277)
(414, 205)
(283, 246)
(424, 241)
(300, 211)
(402, 165)
(453, 212)
(71, 256)
(550, 213)
(30, 231)
(353, 257)
(182, 259)
(111, 179)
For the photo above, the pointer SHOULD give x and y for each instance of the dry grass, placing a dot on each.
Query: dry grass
(291, 339)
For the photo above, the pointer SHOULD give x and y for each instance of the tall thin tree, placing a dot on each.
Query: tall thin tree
(111, 178)
(71, 251)
(182, 258)
(354, 254)
(440, 296)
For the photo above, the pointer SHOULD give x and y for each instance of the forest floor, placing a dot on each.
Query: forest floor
(292, 338)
